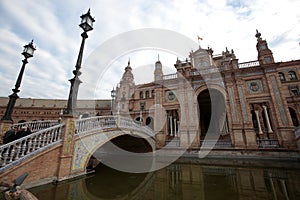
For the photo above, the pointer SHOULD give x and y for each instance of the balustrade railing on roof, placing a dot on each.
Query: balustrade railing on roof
(249, 64)
(17, 150)
(170, 76)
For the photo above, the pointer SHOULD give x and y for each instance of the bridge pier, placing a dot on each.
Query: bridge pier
(5, 125)
(67, 149)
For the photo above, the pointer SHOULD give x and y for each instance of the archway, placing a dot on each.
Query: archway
(294, 116)
(212, 112)
(150, 122)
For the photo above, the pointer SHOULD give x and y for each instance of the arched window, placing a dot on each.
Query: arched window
(281, 76)
(141, 95)
(292, 75)
(147, 94)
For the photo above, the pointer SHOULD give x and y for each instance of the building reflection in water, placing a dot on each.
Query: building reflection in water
(181, 181)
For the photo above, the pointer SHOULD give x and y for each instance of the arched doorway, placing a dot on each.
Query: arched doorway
(212, 112)
(294, 116)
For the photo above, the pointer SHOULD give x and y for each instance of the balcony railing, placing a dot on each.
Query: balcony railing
(267, 143)
(216, 144)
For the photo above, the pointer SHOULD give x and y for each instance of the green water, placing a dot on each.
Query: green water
(183, 181)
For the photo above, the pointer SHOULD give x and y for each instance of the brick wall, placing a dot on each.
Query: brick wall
(41, 168)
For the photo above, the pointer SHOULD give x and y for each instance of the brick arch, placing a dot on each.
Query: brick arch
(94, 141)
(217, 87)
(207, 116)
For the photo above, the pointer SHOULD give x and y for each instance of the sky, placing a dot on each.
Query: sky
(53, 25)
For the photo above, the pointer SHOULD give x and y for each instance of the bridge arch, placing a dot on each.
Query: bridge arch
(86, 145)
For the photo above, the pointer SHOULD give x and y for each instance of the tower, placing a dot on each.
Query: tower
(158, 74)
(124, 91)
(265, 55)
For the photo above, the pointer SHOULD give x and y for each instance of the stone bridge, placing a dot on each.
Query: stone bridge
(59, 151)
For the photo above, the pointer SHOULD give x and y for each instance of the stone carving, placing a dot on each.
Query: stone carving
(254, 86)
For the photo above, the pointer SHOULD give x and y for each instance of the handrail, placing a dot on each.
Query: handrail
(14, 151)
(36, 125)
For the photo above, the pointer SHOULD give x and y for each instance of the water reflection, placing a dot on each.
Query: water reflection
(181, 181)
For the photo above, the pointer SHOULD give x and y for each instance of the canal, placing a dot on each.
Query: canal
(184, 180)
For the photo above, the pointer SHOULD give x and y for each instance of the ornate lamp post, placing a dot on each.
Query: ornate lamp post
(113, 95)
(87, 25)
(27, 53)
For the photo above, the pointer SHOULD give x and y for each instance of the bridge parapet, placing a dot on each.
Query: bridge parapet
(36, 125)
(18, 150)
(105, 122)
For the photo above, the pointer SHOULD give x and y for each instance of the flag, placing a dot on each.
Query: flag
(199, 38)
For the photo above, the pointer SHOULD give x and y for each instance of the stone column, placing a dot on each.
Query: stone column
(175, 127)
(171, 127)
(258, 121)
(267, 119)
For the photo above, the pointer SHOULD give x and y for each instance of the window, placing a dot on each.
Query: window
(141, 95)
(292, 75)
(281, 76)
(294, 90)
(262, 47)
(268, 59)
(153, 94)
(147, 94)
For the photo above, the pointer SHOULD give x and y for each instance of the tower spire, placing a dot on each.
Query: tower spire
(265, 55)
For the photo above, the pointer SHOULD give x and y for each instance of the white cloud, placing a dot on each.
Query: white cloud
(54, 27)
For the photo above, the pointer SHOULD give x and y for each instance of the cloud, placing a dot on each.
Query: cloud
(54, 27)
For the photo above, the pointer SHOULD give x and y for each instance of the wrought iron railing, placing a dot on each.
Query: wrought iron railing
(17, 150)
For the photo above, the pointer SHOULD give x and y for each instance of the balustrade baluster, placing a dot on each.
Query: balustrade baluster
(11, 153)
(18, 150)
(44, 136)
(52, 135)
(5, 156)
(58, 134)
(24, 147)
(39, 141)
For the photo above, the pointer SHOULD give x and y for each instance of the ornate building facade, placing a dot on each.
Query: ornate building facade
(253, 104)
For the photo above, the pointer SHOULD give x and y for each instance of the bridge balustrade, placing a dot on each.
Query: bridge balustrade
(106, 122)
(93, 123)
(36, 125)
(19, 149)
